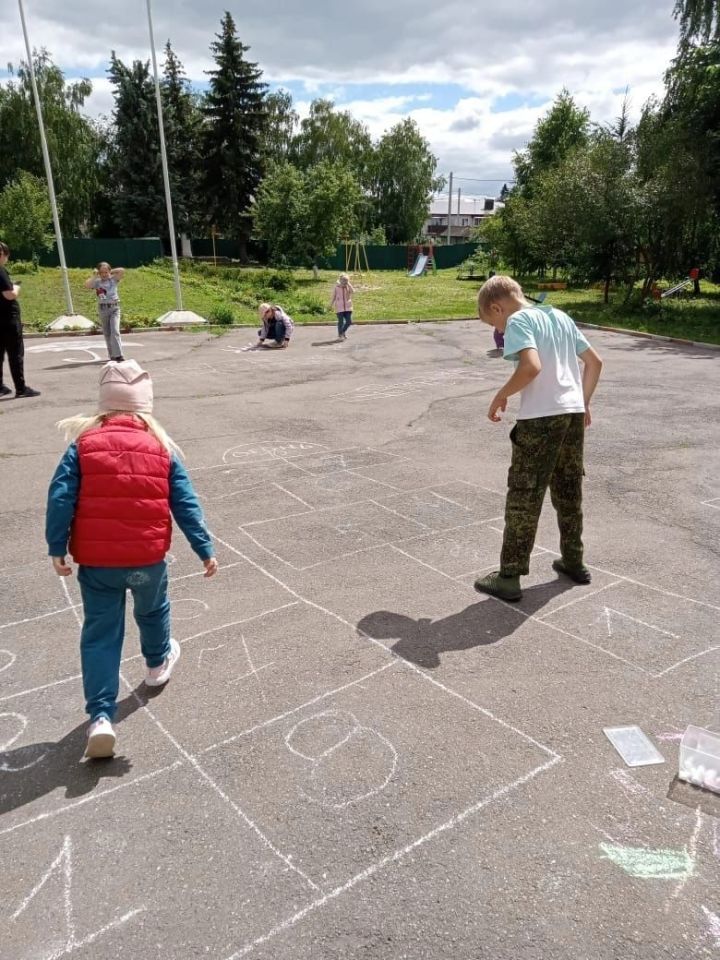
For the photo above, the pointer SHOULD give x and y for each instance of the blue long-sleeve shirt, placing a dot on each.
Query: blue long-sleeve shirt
(65, 488)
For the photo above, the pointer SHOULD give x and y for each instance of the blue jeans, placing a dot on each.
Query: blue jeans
(103, 594)
(344, 320)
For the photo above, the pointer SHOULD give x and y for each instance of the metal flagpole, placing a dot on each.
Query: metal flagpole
(48, 169)
(163, 157)
(450, 200)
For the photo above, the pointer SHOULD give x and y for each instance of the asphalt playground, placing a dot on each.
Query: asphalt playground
(358, 756)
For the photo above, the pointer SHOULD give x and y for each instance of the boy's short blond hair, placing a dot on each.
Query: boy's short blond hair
(495, 289)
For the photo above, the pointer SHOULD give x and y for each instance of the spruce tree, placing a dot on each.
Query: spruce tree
(133, 186)
(181, 117)
(235, 116)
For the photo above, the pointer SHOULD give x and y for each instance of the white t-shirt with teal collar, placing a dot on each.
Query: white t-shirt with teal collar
(557, 388)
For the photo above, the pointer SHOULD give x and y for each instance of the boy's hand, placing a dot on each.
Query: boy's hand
(499, 403)
(588, 416)
(62, 567)
(211, 566)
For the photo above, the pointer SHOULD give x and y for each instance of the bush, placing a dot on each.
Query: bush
(24, 266)
(310, 304)
(278, 281)
(223, 315)
(129, 321)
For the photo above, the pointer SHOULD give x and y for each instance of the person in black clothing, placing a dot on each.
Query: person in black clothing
(11, 338)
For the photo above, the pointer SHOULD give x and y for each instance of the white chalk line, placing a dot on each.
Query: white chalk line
(201, 573)
(253, 671)
(90, 798)
(359, 503)
(571, 603)
(453, 502)
(402, 516)
(204, 775)
(692, 855)
(279, 486)
(408, 663)
(71, 943)
(680, 663)
(40, 616)
(139, 656)
(11, 661)
(315, 761)
(627, 616)
(303, 706)
(393, 858)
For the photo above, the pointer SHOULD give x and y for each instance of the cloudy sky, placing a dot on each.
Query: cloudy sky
(475, 76)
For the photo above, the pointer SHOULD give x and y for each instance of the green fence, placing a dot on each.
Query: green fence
(136, 253)
(395, 257)
(120, 253)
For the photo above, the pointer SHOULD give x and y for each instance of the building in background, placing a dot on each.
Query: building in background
(473, 210)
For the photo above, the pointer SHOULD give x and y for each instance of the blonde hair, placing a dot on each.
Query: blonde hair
(344, 279)
(74, 427)
(263, 309)
(497, 288)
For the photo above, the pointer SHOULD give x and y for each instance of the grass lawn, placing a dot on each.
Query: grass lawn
(148, 292)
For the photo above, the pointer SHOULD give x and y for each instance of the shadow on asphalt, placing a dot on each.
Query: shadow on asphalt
(37, 769)
(423, 641)
(695, 798)
(327, 343)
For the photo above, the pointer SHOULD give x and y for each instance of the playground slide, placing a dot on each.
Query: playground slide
(420, 266)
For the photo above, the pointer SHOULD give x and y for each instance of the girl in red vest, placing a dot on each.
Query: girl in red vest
(112, 498)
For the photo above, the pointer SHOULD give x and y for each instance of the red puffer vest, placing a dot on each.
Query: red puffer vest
(122, 517)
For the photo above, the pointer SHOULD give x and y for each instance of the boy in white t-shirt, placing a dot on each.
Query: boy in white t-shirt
(547, 440)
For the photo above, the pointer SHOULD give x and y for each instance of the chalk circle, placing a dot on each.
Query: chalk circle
(349, 762)
(7, 659)
(7, 737)
(270, 450)
(190, 609)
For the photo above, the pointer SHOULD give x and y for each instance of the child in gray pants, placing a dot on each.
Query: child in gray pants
(104, 282)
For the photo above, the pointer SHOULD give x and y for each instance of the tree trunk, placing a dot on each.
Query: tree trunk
(606, 294)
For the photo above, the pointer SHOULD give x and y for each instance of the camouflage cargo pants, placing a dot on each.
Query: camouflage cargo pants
(546, 451)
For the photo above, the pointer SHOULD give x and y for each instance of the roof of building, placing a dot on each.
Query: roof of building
(469, 206)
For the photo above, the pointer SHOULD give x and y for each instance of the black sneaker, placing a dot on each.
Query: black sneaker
(579, 574)
(118, 359)
(27, 392)
(4, 391)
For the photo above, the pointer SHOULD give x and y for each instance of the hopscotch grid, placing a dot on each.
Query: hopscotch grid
(555, 758)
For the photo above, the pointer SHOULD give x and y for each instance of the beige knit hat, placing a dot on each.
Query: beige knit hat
(125, 386)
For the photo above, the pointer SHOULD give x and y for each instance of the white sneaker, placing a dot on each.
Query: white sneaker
(157, 676)
(101, 739)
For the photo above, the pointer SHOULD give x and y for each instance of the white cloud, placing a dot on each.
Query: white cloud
(525, 51)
